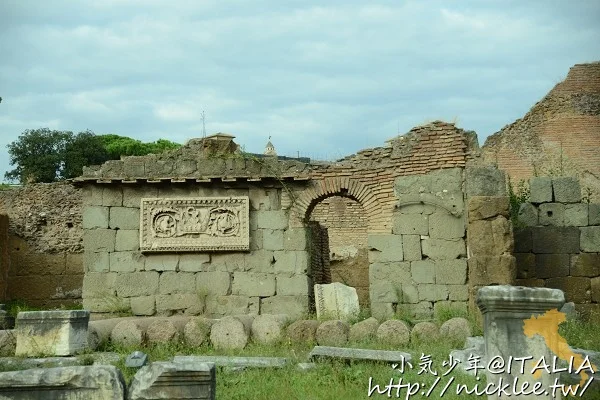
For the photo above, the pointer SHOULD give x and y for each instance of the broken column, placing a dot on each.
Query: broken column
(520, 323)
(336, 300)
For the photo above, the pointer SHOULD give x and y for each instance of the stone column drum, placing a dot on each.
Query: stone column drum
(505, 310)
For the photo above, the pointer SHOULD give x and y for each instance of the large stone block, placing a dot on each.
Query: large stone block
(585, 264)
(162, 262)
(336, 300)
(590, 239)
(194, 262)
(458, 292)
(133, 195)
(292, 286)
(98, 284)
(410, 224)
(385, 292)
(440, 249)
(213, 283)
(174, 380)
(382, 311)
(264, 260)
(218, 306)
(523, 240)
(451, 272)
(485, 181)
(551, 239)
(594, 214)
(295, 239)
(552, 214)
(595, 289)
(228, 262)
(566, 189)
(177, 282)
(253, 284)
(383, 247)
(92, 195)
(96, 262)
(127, 240)
(528, 214)
(290, 262)
(576, 214)
(422, 271)
(190, 303)
(576, 289)
(525, 265)
(430, 292)
(293, 306)
(420, 310)
(395, 272)
(540, 190)
(272, 220)
(95, 217)
(488, 270)
(137, 284)
(263, 199)
(112, 196)
(106, 304)
(99, 240)
(95, 382)
(551, 265)
(272, 239)
(143, 305)
(124, 218)
(446, 226)
(54, 333)
(486, 207)
(411, 247)
(126, 261)
(410, 294)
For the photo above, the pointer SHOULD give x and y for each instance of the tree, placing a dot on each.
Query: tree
(84, 149)
(118, 146)
(38, 155)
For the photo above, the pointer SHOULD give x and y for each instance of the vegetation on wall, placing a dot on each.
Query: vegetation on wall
(44, 155)
(517, 196)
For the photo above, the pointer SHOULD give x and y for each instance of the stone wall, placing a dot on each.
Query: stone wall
(44, 260)
(271, 278)
(4, 256)
(557, 243)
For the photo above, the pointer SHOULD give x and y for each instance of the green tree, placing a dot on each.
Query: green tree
(38, 155)
(83, 150)
(118, 146)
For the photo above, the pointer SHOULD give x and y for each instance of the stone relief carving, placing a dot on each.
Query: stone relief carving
(194, 224)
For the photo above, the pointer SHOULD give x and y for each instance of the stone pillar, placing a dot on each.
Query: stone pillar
(518, 322)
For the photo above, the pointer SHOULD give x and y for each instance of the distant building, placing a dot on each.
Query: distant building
(270, 149)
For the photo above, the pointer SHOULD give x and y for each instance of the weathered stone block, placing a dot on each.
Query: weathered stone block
(124, 218)
(576, 214)
(576, 289)
(551, 239)
(291, 262)
(485, 207)
(382, 311)
(95, 217)
(253, 284)
(194, 262)
(422, 271)
(429, 292)
(136, 284)
(446, 226)
(256, 239)
(530, 282)
(410, 294)
(385, 292)
(487, 270)
(126, 261)
(523, 240)
(395, 272)
(162, 262)
(459, 307)
(528, 214)
(213, 283)
(551, 265)
(566, 189)
(292, 286)
(99, 240)
(458, 292)
(336, 300)
(410, 224)
(143, 305)
(294, 306)
(56, 333)
(384, 247)
(112, 196)
(590, 239)
(411, 247)
(420, 310)
(593, 214)
(552, 214)
(585, 264)
(452, 272)
(97, 382)
(440, 249)
(595, 289)
(96, 262)
(106, 304)
(190, 303)
(540, 190)
(525, 265)
(127, 240)
(218, 306)
(176, 282)
(228, 262)
(92, 195)
(264, 260)
(295, 239)
(272, 239)
(485, 181)
(272, 220)
(132, 195)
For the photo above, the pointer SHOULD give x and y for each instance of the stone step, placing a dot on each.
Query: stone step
(225, 361)
(358, 354)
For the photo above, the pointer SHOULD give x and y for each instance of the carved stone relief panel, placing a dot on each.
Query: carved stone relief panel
(194, 224)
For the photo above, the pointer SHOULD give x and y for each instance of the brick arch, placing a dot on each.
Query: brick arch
(337, 186)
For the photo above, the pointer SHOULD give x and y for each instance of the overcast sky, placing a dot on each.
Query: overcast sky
(324, 79)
